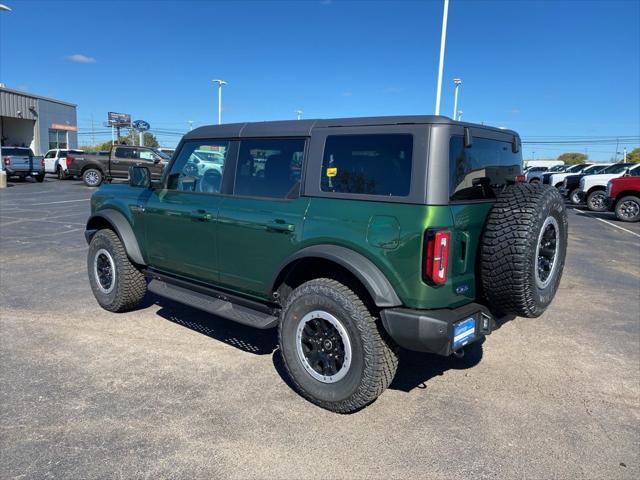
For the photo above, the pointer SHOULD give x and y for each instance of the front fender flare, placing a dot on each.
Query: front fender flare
(376, 283)
(123, 229)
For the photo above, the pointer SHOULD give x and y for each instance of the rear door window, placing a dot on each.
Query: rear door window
(480, 171)
(269, 168)
(374, 164)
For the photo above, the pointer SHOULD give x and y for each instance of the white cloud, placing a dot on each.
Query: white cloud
(79, 58)
(515, 111)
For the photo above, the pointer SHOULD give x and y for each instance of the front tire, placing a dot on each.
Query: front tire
(92, 177)
(116, 282)
(574, 196)
(335, 351)
(597, 201)
(628, 209)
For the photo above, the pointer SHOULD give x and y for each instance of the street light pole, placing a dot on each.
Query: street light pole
(460, 112)
(220, 84)
(190, 122)
(456, 82)
(443, 39)
(299, 114)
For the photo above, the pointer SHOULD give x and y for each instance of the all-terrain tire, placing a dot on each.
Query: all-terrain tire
(515, 245)
(374, 356)
(92, 177)
(128, 286)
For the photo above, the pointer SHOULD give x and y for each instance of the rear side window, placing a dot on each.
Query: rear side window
(126, 153)
(367, 164)
(480, 171)
(269, 168)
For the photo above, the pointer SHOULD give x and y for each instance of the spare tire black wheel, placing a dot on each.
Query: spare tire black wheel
(523, 249)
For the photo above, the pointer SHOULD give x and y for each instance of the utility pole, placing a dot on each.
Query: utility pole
(457, 82)
(460, 112)
(190, 122)
(93, 132)
(220, 84)
(624, 153)
(443, 39)
(299, 114)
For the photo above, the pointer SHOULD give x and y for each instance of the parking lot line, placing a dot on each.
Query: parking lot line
(586, 214)
(61, 201)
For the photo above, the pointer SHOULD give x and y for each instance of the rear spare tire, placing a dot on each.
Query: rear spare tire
(523, 249)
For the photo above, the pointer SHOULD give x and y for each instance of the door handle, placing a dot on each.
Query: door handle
(201, 216)
(280, 226)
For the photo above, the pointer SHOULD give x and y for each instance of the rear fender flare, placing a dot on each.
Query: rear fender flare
(376, 283)
(121, 226)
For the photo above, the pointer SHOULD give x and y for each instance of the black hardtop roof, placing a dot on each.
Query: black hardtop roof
(303, 128)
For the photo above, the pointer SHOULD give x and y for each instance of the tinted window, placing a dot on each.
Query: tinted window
(367, 164)
(481, 170)
(126, 153)
(193, 172)
(269, 168)
(22, 152)
(634, 172)
(617, 168)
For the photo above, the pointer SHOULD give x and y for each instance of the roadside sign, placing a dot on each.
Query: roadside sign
(141, 125)
(119, 119)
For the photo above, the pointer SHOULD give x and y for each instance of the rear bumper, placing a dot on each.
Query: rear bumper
(433, 330)
(14, 172)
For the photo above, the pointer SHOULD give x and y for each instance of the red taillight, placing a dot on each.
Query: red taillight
(520, 178)
(42, 162)
(436, 256)
(69, 160)
(7, 161)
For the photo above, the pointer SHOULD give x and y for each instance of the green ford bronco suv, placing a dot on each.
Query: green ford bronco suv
(353, 236)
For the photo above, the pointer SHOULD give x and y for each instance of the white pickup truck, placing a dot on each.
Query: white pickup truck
(593, 188)
(57, 161)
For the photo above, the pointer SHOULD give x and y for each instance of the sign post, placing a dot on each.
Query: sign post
(117, 121)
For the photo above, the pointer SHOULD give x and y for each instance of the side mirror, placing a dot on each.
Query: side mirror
(139, 177)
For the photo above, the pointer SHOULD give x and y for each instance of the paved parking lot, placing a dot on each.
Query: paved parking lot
(167, 391)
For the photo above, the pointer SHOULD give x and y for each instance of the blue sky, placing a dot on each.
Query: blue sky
(565, 68)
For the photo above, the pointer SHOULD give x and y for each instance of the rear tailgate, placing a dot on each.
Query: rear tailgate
(17, 159)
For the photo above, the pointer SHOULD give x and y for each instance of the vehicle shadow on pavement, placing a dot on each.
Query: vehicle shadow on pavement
(247, 339)
(415, 368)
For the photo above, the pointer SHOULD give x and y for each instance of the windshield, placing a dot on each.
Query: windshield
(618, 168)
(557, 168)
(209, 156)
(593, 169)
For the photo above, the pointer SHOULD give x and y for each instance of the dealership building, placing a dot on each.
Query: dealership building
(38, 122)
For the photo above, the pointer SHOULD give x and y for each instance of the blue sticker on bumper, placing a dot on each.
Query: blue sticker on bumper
(463, 332)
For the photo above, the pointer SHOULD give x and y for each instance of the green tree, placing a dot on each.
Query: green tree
(148, 139)
(634, 155)
(573, 158)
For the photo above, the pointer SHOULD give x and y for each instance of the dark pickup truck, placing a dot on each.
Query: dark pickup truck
(94, 169)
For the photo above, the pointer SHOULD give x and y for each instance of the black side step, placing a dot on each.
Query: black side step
(208, 303)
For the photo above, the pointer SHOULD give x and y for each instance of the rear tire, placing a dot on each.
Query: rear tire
(60, 173)
(523, 249)
(597, 201)
(628, 209)
(116, 282)
(92, 177)
(323, 317)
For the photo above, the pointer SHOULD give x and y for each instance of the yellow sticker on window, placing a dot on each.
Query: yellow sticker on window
(332, 172)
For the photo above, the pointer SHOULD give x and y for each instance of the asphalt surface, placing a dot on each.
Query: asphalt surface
(167, 391)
